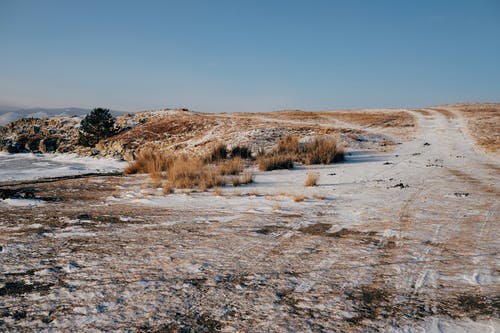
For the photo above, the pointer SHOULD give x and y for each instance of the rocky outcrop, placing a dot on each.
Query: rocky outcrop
(60, 135)
(33, 135)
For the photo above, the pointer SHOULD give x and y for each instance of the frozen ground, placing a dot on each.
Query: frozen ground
(405, 241)
(33, 166)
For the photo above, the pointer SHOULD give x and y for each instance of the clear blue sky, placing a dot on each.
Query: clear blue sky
(248, 55)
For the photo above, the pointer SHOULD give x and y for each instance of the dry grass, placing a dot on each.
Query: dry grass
(323, 150)
(319, 197)
(217, 153)
(186, 172)
(217, 192)
(446, 113)
(149, 161)
(424, 112)
(483, 121)
(156, 179)
(167, 188)
(312, 179)
(275, 162)
(288, 145)
(299, 198)
(374, 118)
(230, 167)
(178, 128)
(246, 178)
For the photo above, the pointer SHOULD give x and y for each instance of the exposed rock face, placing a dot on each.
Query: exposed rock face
(60, 135)
(33, 135)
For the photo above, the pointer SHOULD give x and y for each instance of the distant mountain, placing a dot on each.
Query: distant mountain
(9, 113)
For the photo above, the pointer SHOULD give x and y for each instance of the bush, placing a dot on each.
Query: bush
(274, 162)
(98, 124)
(241, 152)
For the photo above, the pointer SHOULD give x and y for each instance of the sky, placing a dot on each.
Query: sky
(248, 56)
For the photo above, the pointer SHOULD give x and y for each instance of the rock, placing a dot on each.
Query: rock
(48, 145)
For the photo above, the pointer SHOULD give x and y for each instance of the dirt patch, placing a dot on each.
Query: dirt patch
(318, 229)
(321, 229)
(472, 181)
(269, 230)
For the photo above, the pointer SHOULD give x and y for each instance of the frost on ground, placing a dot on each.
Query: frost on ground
(401, 241)
(34, 166)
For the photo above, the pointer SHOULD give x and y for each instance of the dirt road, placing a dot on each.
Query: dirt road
(404, 241)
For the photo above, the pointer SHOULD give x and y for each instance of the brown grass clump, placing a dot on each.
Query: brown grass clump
(289, 144)
(188, 172)
(299, 198)
(217, 192)
(275, 162)
(210, 178)
(312, 179)
(167, 188)
(218, 153)
(323, 150)
(246, 178)
(148, 161)
(230, 167)
(156, 179)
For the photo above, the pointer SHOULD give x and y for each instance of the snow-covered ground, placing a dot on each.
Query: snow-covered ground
(34, 166)
(405, 241)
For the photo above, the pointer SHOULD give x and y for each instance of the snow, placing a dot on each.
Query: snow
(442, 239)
(34, 166)
(21, 202)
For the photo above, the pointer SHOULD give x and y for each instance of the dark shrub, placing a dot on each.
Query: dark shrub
(218, 153)
(274, 162)
(242, 152)
(98, 124)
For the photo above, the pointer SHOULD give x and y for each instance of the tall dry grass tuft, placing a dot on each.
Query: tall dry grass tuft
(275, 162)
(312, 179)
(189, 172)
(168, 188)
(210, 178)
(288, 144)
(185, 172)
(218, 153)
(323, 150)
(230, 167)
(148, 161)
(156, 179)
